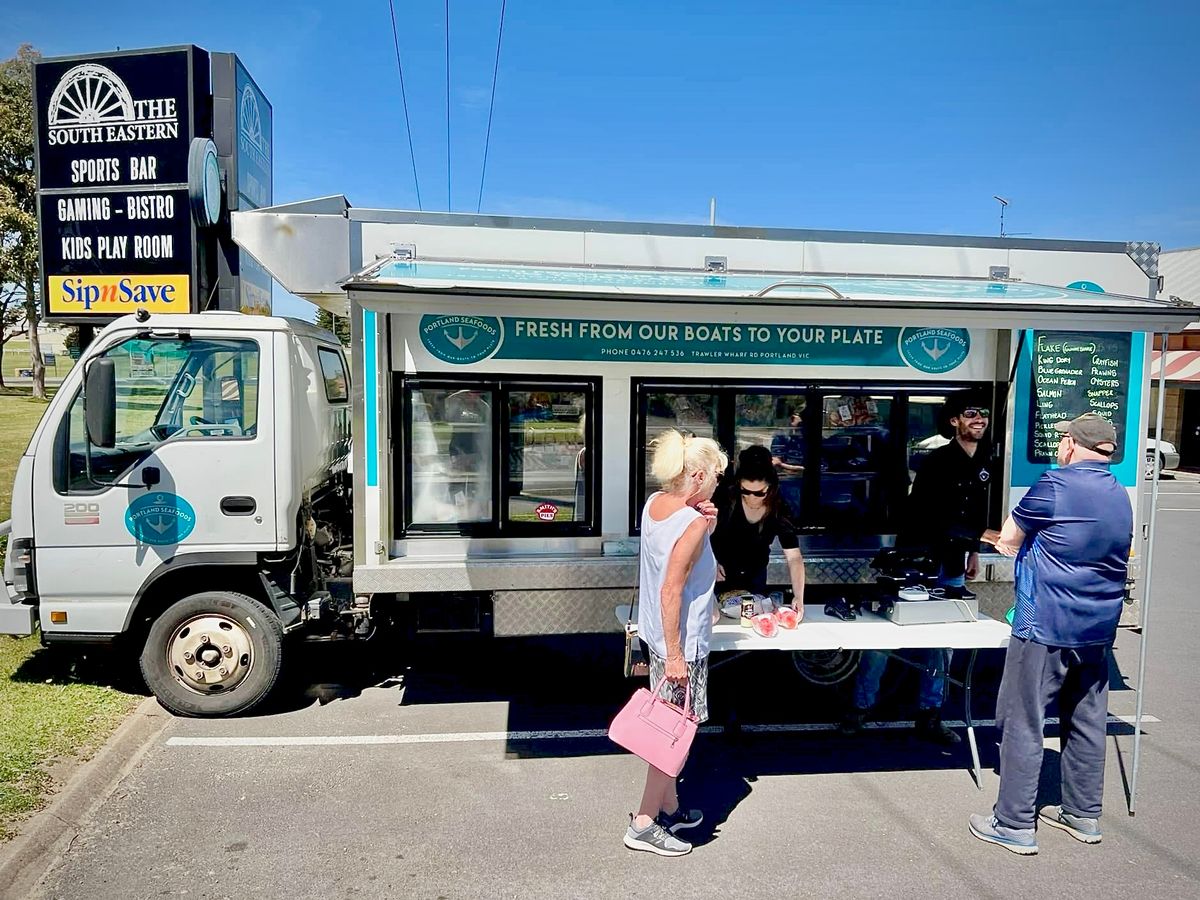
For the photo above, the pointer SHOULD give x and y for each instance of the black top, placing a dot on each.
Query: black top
(743, 549)
(948, 504)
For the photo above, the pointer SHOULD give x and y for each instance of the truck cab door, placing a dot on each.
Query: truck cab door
(191, 474)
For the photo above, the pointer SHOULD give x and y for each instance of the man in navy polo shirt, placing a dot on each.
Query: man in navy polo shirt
(1071, 535)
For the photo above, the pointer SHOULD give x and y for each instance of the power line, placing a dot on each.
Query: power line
(448, 204)
(404, 97)
(491, 107)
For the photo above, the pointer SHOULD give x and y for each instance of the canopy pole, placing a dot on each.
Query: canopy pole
(1146, 592)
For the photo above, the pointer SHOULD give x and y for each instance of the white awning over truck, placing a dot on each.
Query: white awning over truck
(951, 301)
(312, 247)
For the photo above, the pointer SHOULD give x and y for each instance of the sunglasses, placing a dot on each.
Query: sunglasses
(976, 412)
(746, 492)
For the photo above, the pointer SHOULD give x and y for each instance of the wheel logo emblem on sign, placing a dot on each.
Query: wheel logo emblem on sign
(160, 518)
(250, 122)
(91, 104)
(934, 350)
(461, 339)
(90, 95)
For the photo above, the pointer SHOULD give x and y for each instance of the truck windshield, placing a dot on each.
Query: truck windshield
(168, 389)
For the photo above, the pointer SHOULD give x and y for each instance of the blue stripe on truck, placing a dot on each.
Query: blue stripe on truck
(370, 374)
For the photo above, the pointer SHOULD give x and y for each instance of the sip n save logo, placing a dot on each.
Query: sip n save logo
(92, 105)
(117, 294)
(461, 340)
(934, 350)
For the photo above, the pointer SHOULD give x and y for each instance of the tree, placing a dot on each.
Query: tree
(12, 318)
(339, 325)
(18, 198)
(72, 343)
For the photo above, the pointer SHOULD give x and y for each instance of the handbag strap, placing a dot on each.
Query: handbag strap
(687, 695)
(637, 582)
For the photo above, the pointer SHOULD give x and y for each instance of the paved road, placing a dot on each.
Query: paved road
(426, 782)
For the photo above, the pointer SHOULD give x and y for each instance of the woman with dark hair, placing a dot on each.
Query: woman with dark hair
(749, 520)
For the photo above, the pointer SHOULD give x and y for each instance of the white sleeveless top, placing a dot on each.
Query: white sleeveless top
(695, 612)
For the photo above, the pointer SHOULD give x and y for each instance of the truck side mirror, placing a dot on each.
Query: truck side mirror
(100, 403)
(231, 390)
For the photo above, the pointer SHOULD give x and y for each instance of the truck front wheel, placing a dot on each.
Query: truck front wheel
(213, 654)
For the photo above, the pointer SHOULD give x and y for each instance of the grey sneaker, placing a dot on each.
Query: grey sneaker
(680, 820)
(1086, 830)
(656, 839)
(1022, 841)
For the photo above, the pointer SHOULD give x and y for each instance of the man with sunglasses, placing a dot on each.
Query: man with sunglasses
(946, 515)
(948, 505)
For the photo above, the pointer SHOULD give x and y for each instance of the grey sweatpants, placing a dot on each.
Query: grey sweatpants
(1034, 675)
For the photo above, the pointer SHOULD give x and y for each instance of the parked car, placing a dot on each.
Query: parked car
(1162, 453)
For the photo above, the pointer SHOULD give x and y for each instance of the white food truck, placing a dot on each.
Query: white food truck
(201, 486)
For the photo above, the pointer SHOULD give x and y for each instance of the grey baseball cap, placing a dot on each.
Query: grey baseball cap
(1089, 430)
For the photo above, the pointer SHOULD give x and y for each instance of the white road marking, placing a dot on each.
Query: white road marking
(462, 737)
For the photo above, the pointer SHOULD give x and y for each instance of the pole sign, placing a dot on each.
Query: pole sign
(243, 132)
(254, 135)
(114, 152)
(93, 244)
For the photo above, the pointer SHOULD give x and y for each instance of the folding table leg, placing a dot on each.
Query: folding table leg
(976, 771)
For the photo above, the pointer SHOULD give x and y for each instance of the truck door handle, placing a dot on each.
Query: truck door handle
(238, 506)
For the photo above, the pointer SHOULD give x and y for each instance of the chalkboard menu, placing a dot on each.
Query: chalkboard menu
(1075, 372)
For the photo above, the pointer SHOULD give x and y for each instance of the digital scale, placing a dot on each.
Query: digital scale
(932, 611)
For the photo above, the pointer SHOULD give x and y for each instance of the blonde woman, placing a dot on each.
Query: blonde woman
(675, 603)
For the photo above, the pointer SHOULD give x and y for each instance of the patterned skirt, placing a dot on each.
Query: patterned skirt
(697, 684)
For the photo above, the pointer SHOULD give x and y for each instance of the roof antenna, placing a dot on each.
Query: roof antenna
(1003, 205)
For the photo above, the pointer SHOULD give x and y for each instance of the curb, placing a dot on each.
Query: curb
(47, 834)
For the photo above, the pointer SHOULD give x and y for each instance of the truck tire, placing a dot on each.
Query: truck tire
(217, 653)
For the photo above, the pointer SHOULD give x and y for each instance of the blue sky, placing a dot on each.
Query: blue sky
(891, 116)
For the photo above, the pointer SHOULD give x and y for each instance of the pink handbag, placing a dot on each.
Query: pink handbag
(655, 729)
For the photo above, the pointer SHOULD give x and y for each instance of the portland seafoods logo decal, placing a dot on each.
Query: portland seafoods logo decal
(461, 339)
(160, 518)
(934, 350)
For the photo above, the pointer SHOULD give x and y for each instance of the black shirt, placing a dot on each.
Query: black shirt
(948, 505)
(743, 549)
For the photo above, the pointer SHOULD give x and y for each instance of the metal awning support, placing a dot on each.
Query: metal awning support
(1148, 590)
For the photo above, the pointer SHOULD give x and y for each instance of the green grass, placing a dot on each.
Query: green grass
(50, 709)
(19, 414)
(16, 356)
(52, 705)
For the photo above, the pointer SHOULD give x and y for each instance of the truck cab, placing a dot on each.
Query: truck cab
(186, 491)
